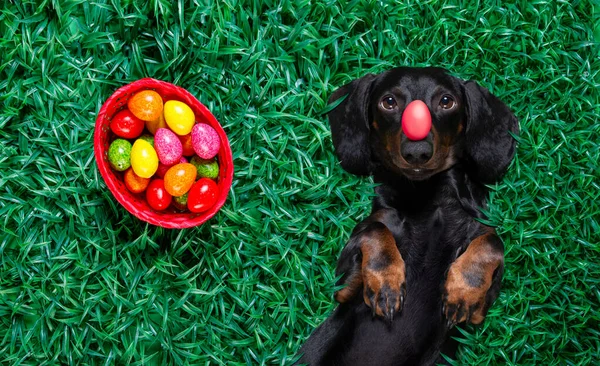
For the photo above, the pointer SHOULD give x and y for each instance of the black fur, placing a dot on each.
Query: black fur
(431, 214)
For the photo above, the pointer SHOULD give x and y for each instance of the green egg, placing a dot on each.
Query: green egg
(148, 138)
(180, 202)
(206, 168)
(119, 155)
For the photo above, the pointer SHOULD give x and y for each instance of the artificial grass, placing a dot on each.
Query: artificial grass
(84, 282)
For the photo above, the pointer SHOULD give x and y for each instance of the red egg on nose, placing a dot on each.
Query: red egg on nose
(416, 120)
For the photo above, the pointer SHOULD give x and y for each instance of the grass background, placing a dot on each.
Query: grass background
(84, 282)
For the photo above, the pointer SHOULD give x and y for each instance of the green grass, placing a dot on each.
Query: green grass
(84, 282)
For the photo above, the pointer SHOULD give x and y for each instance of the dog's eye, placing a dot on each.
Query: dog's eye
(447, 102)
(388, 102)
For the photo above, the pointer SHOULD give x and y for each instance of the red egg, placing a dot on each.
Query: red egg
(186, 143)
(125, 124)
(202, 195)
(157, 196)
(416, 120)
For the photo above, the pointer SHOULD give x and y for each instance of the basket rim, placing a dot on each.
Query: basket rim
(177, 221)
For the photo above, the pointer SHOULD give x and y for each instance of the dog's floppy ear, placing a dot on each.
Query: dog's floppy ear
(489, 146)
(349, 123)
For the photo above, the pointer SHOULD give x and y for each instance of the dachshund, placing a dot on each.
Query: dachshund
(422, 261)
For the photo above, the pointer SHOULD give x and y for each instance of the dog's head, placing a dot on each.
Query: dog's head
(467, 123)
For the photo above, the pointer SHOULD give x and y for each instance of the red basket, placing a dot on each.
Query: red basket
(136, 203)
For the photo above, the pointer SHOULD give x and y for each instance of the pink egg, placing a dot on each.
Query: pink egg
(416, 120)
(205, 140)
(168, 146)
(162, 168)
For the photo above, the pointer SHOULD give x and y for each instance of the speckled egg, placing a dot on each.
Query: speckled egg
(180, 202)
(168, 146)
(206, 168)
(205, 140)
(179, 179)
(146, 105)
(134, 183)
(119, 155)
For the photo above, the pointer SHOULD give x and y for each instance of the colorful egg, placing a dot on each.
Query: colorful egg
(154, 125)
(205, 140)
(186, 143)
(119, 155)
(168, 147)
(134, 183)
(162, 168)
(180, 202)
(146, 105)
(179, 117)
(416, 120)
(125, 124)
(157, 196)
(179, 179)
(203, 195)
(206, 168)
(148, 138)
(144, 160)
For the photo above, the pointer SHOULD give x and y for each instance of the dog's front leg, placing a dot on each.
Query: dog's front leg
(371, 261)
(473, 280)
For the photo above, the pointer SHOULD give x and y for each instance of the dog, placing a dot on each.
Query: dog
(422, 261)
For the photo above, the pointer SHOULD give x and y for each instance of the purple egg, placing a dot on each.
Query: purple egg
(168, 146)
(205, 141)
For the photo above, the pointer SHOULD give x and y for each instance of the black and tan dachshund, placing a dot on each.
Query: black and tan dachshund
(422, 261)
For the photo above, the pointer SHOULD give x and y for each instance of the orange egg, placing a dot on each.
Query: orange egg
(154, 125)
(135, 183)
(146, 105)
(180, 178)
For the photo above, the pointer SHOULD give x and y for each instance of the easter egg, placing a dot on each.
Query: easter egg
(125, 124)
(146, 105)
(416, 120)
(206, 168)
(154, 125)
(119, 155)
(157, 196)
(179, 179)
(205, 140)
(186, 144)
(144, 160)
(168, 147)
(203, 195)
(148, 138)
(179, 116)
(180, 202)
(134, 183)
(162, 168)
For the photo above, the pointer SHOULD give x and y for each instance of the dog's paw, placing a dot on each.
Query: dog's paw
(384, 286)
(464, 298)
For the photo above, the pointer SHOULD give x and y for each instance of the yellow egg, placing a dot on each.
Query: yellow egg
(144, 159)
(179, 117)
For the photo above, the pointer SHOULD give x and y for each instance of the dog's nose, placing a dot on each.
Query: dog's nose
(416, 152)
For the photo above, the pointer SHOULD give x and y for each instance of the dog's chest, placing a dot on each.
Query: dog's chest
(433, 238)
